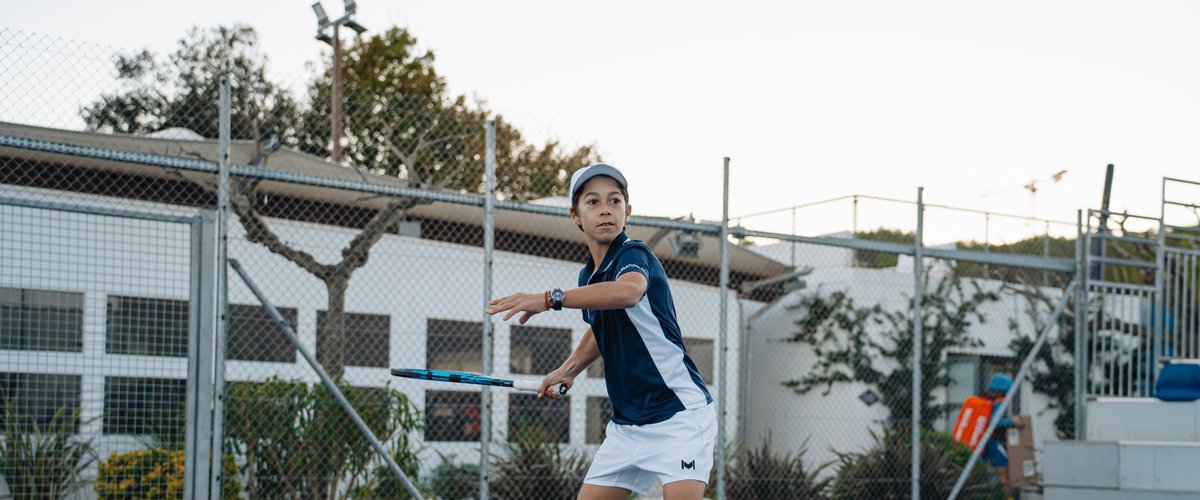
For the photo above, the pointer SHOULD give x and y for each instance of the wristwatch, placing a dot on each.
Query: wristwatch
(556, 299)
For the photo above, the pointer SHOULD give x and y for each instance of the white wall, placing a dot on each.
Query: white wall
(408, 279)
(839, 420)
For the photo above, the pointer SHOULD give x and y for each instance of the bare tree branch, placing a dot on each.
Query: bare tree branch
(356, 253)
(257, 231)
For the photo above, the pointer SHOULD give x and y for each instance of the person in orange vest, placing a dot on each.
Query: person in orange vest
(995, 449)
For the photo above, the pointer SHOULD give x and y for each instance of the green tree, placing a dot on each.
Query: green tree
(183, 90)
(876, 260)
(874, 345)
(400, 121)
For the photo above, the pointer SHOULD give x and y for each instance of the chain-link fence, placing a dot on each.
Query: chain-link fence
(830, 361)
(383, 254)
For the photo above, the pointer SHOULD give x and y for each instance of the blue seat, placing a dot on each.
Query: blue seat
(1178, 382)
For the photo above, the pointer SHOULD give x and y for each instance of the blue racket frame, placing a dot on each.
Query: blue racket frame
(467, 378)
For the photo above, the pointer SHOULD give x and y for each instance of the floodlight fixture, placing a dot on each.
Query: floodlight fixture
(322, 18)
(351, 7)
(358, 28)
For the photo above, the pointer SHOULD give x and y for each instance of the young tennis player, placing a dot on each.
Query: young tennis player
(663, 424)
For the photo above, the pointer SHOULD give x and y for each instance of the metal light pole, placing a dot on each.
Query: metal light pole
(335, 41)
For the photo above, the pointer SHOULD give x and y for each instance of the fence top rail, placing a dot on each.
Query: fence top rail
(1056, 264)
(1181, 181)
(1093, 212)
(1127, 239)
(897, 200)
(1180, 204)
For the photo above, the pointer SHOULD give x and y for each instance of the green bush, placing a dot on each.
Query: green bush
(883, 472)
(534, 465)
(154, 473)
(43, 462)
(298, 442)
(454, 481)
(762, 473)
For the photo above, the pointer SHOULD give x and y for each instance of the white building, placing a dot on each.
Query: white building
(843, 419)
(102, 301)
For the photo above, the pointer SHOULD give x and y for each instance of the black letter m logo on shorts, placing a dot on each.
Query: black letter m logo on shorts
(687, 465)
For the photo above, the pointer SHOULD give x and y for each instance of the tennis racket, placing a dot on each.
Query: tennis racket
(473, 378)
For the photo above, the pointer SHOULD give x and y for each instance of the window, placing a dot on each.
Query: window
(454, 345)
(38, 399)
(452, 416)
(551, 418)
(148, 327)
(599, 412)
(41, 320)
(970, 374)
(144, 406)
(701, 352)
(537, 350)
(367, 338)
(254, 336)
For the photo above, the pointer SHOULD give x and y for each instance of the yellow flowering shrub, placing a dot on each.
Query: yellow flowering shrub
(152, 474)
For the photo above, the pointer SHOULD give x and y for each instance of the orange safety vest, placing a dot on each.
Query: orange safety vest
(972, 421)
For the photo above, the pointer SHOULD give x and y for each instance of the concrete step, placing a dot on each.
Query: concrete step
(1127, 469)
(1142, 419)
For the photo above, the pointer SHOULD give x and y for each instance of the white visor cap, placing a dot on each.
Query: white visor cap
(581, 176)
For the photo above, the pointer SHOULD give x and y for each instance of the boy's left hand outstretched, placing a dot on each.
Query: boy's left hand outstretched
(528, 304)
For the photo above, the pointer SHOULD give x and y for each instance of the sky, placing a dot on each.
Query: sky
(810, 99)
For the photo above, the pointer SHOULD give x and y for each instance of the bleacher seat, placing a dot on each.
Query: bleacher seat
(1178, 382)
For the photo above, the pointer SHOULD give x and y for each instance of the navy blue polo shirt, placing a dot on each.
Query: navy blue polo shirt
(649, 375)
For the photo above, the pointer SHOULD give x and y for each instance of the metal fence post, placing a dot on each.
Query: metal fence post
(722, 340)
(918, 342)
(1081, 368)
(489, 245)
(222, 275)
(198, 428)
(1159, 308)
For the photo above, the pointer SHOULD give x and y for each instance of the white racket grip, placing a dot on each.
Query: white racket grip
(527, 385)
(534, 385)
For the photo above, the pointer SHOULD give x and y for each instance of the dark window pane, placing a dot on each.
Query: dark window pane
(451, 416)
(701, 352)
(40, 399)
(367, 337)
(454, 345)
(144, 406)
(599, 412)
(538, 350)
(548, 416)
(254, 336)
(41, 320)
(148, 327)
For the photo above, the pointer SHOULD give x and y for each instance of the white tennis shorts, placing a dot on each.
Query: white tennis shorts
(633, 456)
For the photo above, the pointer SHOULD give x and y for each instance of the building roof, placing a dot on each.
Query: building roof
(182, 144)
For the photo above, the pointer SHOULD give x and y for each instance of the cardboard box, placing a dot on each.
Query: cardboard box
(1022, 467)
